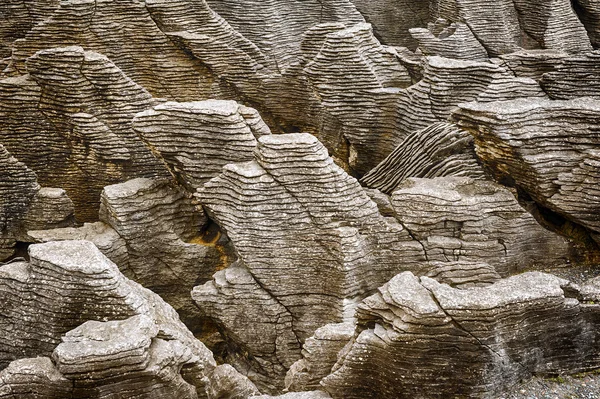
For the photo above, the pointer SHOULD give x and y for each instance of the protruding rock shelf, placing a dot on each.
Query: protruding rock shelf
(313, 199)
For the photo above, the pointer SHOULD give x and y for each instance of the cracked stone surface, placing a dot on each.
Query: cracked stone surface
(298, 199)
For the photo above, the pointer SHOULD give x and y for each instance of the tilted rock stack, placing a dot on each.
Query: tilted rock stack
(329, 199)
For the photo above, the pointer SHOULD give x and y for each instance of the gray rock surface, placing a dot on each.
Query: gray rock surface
(461, 219)
(419, 333)
(70, 282)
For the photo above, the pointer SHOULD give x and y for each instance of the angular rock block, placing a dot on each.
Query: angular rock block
(197, 139)
(461, 219)
(417, 334)
(68, 283)
(163, 233)
(547, 148)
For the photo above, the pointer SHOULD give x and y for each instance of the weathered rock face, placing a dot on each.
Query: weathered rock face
(304, 260)
(82, 105)
(25, 205)
(197, 139)
(547, 148)
(151, 120)
(461, 219)
(439, 150)
(419, 333)
(70, 282)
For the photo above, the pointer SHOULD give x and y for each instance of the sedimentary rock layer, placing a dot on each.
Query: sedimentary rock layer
(487, 336)
(547, 148)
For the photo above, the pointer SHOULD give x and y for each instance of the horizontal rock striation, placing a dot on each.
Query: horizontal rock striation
(81, 105)
(163, 233)
(547, 148)
(197, 139)
(417, 333)
(71, 282)
(461, 219)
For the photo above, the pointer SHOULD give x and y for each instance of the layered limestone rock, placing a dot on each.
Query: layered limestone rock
(461, 219)
(18, 17)
(68, 283)
(307, 259)
(275, 25)
(197, 139)
(449, 82)
(439, 150)
(547, 148)
(417, 333)
(25, 205)
(80, 108)
(506, 26)
(253, 320)
(319, 354)
(18, 187)
(163, 232)
(450, 40)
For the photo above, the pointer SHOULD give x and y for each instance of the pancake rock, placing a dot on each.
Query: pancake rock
(127, 33)
(439, 150)
(25, 205)
(319, 354)
(162, 229)
(417, 333)
(197, 139)
(275, 26)
(297, 395)
(70, 282)
(448, 82)
(315, 257)
(80, 107)
(451, 40)
(18, 187)
(254, 321)
(18, 17)
(90, 357)
(546, 148)
(461, 219)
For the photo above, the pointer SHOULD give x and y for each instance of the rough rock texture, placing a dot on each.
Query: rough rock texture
(150, 121)
(25, 205)
(82, 105)
(419, 333)
(439, 150)
(461, 219)
(547, 148)
(319, 354)
(71, 282)
(197, 139)
(162, 229)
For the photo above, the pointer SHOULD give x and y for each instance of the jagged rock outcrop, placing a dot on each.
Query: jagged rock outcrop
(461, 219)
(297, 395)
(546, 148)
(81, 105)
(416, 333)
(71, 282)
(439, 150)
(197, 139)
(319, 354)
